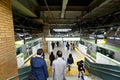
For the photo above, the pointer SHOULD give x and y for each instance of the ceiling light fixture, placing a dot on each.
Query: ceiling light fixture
(62, 30)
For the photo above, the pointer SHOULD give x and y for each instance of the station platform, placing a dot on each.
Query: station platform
(73, 74)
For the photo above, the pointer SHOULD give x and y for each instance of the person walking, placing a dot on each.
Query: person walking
(73, 46)
(59, 67)
(70, 61)
(53, 45)
(67, 45)
(81, 69)
(39, 67)
(51, 58)
(57, 43)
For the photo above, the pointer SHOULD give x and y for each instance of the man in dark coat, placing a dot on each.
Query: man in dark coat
(39, 67)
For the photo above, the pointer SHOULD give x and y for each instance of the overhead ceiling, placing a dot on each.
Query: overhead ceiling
(57, 4)
(64, 13)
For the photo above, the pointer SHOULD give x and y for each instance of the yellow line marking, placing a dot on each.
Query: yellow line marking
(74, 69)
(82, 58)
(82, 55)
(27, 63)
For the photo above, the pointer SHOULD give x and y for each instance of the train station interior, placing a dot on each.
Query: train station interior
(91, 27)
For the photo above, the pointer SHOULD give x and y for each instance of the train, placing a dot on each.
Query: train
(108, 51)
(99, 34)
(26, 49)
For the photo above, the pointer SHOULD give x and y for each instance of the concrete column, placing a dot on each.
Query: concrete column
(8, 61)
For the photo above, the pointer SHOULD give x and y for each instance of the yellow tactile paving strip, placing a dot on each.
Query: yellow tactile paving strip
(74, 70)
(82, 56)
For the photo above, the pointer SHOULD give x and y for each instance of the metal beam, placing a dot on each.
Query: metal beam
(69, 8)
(16, 5)
(94, 3)
(64, 4)
(107, 7)
(61, 24)
(61, 21)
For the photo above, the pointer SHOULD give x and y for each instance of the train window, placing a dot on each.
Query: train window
(99, 49)
(35, 43)
(109, 53)
(82, 42)
(106, 52)
(99, 34)
(18, 50)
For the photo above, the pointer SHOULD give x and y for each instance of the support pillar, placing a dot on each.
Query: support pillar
(8, 61)
(45, 33)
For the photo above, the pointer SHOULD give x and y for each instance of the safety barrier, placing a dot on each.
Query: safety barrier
(23, 74)
(106, 72)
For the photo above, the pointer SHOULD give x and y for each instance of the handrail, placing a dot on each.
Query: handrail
(104, 71)
(94, 67)
(20, 74)
(103, 68)
(107, 71)
(13, 77)
(91, 57)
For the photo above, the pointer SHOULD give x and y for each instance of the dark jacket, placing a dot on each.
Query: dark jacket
(51, 57)
(39, 68)
(70, 60)
(80, 66)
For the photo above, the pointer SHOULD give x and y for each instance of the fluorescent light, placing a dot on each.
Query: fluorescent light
(53, 39)
(19, 42)
(28, 38)
(71, 39)
(62, 30)
(62, 39)
(111, 37)
(117, 38)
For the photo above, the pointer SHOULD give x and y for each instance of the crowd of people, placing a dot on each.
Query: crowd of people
(53, 44)
(58, 64)
(69, 45)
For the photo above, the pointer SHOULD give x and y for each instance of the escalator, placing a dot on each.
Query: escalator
(23, 74)
(105, 72)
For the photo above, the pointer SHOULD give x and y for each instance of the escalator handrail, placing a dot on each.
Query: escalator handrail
(103, 68)
(95, 68)
(13, 77)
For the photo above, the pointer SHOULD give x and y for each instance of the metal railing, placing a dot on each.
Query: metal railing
(23, 74)
(106, 72)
